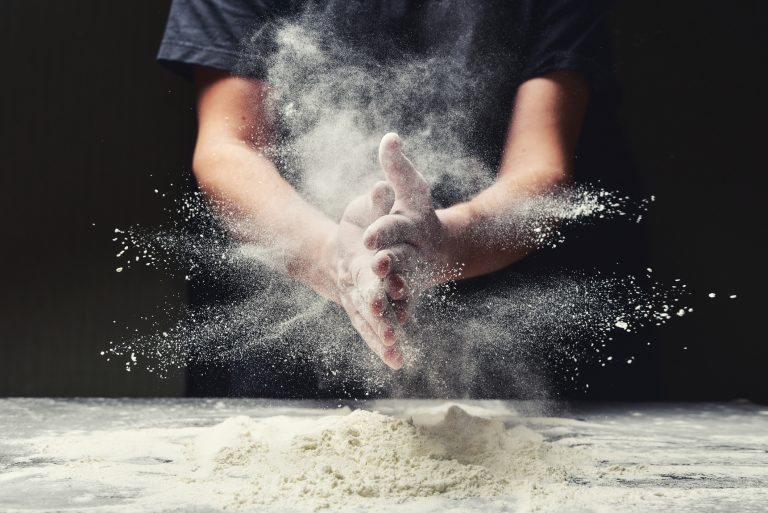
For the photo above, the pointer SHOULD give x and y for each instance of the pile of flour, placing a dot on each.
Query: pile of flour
(424, 458)
(412, 457)
(358, 458)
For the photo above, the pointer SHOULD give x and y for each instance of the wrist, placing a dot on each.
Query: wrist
(328, 265)
(452, 257)
(315, 260)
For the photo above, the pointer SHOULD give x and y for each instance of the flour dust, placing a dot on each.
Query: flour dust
(521, 331)
(332, 102)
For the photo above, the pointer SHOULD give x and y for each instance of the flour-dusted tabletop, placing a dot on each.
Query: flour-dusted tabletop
(116, 455)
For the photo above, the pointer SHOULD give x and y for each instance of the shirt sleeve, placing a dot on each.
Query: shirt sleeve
(212, 32)
(569, 35)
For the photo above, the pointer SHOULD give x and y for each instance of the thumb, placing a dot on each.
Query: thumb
(411, 189)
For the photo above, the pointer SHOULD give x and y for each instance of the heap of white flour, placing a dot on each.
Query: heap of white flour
(413, 457)
(359, 457)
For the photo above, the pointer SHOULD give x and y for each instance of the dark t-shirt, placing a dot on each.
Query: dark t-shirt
(497, 44)
(488, 48)
(547, 35)
(485, 49)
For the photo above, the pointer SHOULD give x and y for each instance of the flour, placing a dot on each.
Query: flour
(362, 456)
(333, 103)
(306, 460)
(111, 456)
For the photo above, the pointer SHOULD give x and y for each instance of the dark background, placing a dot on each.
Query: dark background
(90, 125)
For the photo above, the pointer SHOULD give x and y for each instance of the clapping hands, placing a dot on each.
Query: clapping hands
(390, 249)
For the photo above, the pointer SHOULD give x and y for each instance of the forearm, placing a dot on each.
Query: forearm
(487, 233)
(258, 206)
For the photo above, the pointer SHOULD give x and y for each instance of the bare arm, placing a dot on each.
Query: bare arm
(544, 129)
(476, 235)
(231, 167)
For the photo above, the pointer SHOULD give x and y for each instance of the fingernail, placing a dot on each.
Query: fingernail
(388, 336)
(384, 264)
(392, 355)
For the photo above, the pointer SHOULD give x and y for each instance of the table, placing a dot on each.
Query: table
(681, 457)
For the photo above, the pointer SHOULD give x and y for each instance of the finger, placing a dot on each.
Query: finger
(396, 287)
(358, 212)
(390, 230)
(370, 300)
(386, 327)
(393, 357)
(382, 198)
(411, 189)
(395, 259)
(381, 317)
(363, 328)
(402, 310)
(390, 355)
(344, 278)
(365, 209)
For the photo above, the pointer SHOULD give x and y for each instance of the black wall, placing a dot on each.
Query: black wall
(695, 110)
(90, 125)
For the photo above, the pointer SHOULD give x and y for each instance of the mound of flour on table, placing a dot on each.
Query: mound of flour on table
(358, 457)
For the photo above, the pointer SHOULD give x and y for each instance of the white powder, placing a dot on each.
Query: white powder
(365, 456)
(158, 457)
(337, 460)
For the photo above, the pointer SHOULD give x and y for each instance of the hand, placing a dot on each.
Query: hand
(360, 289)
(409, 241)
